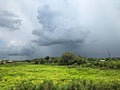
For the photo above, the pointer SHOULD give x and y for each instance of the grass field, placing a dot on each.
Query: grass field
(11, 75)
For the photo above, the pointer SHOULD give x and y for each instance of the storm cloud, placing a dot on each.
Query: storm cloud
(89, 28)
(79, 26)
(24, 52)
(58, 27)
(9, 21)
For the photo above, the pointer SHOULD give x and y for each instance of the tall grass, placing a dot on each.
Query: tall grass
(75, 84)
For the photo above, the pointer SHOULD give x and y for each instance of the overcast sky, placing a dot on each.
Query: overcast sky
(37, 28)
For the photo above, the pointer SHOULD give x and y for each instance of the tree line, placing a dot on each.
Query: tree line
(72, 60)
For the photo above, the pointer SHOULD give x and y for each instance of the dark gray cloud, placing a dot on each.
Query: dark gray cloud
(47, 17)
(9, 21)
(3, 53)
(24, 52)
(20, 50)
(57, 28)
(69, 36)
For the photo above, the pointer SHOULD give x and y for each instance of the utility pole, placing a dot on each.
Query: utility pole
(109, 54)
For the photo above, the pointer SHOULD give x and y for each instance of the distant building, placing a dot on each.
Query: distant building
(6, 61)
(102, 60)
(9, 61)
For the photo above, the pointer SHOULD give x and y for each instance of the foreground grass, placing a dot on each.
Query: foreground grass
(57, 77)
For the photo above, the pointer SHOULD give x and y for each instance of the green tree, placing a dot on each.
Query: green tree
(68, 58)
(47, 59)
(80, 60)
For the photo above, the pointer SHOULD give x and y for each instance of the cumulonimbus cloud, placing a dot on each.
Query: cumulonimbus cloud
(58, 28)
(9, 21)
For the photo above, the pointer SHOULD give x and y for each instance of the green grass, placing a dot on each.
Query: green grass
(12, 75)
